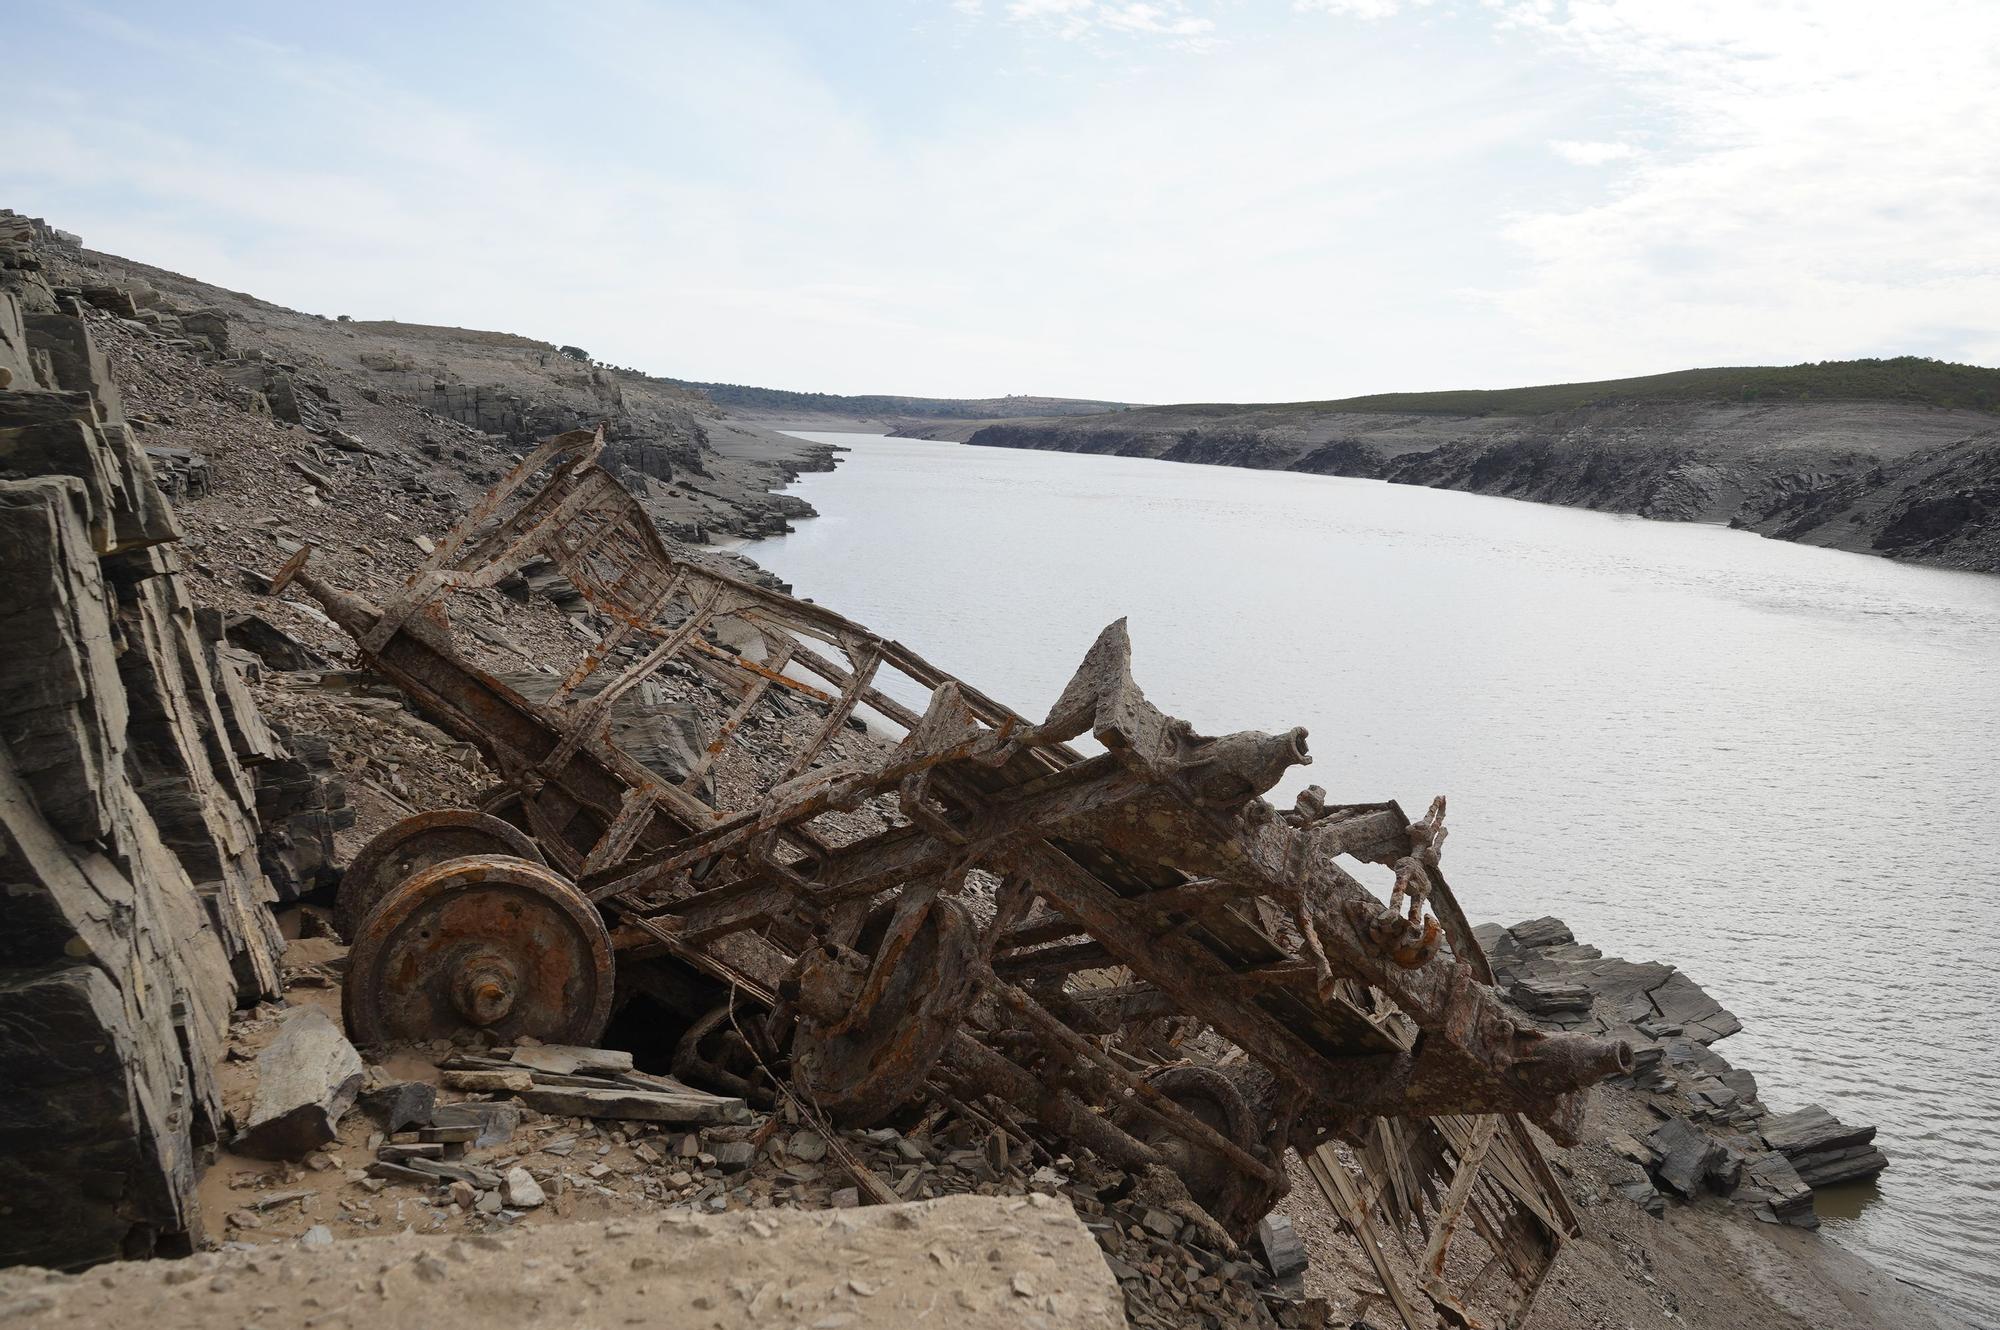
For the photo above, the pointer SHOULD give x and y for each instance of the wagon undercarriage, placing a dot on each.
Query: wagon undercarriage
(1130, 949)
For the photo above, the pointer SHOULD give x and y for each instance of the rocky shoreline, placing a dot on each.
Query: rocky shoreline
(1715, 1135)
(1908, 482)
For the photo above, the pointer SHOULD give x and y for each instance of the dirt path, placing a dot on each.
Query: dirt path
(964, 1261)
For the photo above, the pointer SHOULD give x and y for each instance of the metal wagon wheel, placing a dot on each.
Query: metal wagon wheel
(414, 844)
(873, 1019)
(1236, 1200)
(486, 944)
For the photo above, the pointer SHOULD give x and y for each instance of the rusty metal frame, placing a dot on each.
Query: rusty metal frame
(1158, 855)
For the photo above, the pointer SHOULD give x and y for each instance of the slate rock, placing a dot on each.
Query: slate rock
(569, 1060)
(1833, 1168)
(270, 643)
(1687, 1156)
(1643, 1194)
(496, 1123)
(1811, 1130)
(1681, 1001)
(1548, 997)
(283, 397)
(733, 1156)
(1547, 931)
(639, 1105)
(1770, 1182)
(1279, 1241)
(306, 1079)
(401, 1105)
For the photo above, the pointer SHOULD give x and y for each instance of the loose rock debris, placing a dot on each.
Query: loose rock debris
(1131, 956)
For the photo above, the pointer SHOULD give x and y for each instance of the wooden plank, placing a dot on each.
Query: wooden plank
(752, 695)
(836, 716)
(1445, 1223)
(1338, 1188)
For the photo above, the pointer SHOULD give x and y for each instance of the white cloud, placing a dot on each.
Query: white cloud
(1328, 208)
(1825, 184)
(1371, 10)
(1580, 152)
(1152, 18)
(1074, 19)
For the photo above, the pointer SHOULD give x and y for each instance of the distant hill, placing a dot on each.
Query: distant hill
(1914, 380)
(1898, 457)
(779, 401)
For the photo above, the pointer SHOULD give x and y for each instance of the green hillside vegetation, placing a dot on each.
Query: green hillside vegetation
(1915, 380)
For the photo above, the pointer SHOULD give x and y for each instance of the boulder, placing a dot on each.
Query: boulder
(1811, 1130)
(283, 396)
(270, 643)
(1770, 1183)
(211, 325)
(1688, 1157)
(307, 1078)
(1283, 1253)
(113, 299)
(521, 1189)
(1825, 1151)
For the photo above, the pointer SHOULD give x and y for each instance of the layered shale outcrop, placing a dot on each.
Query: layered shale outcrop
(136, 905)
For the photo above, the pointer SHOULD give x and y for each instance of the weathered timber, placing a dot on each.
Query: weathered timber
(1158, 857)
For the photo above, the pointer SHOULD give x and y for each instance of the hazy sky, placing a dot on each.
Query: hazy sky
(1165, 201)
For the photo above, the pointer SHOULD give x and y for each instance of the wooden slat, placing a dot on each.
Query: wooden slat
(1338, 1188)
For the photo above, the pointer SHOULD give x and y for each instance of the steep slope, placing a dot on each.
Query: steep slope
(703, 472)
(1900, 458)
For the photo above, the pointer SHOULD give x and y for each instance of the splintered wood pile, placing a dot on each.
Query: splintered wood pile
(1130, 905)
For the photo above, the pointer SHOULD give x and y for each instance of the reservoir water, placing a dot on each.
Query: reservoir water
(1776, 767)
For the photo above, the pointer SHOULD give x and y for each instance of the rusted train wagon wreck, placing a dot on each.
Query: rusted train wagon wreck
(1035, 929)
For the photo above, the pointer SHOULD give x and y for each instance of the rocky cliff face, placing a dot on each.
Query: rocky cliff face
(151, 813)
(130, 860)
(1910, 482)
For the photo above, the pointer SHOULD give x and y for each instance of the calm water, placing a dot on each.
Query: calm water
(1776, 767)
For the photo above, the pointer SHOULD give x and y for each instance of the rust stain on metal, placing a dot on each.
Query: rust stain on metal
(484, 942)
(1344, 1019)
(417, 843)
